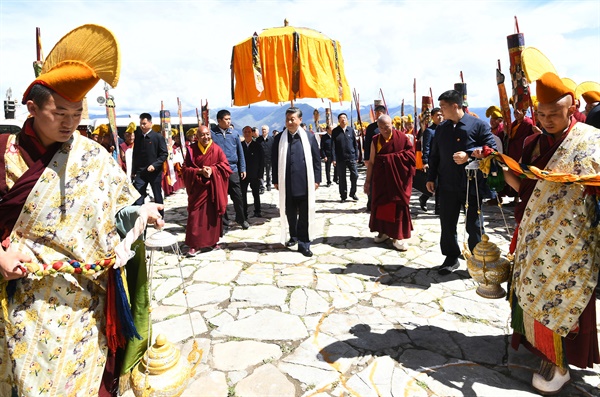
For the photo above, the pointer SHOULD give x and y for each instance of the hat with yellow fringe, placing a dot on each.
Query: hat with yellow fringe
(191, 131)
(493, 112)
(591, 96)
(131, 127)
(549, 88)
(76, 63)
(101, 130)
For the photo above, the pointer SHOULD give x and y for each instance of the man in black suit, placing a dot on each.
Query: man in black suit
(345, 155)
(327, 155)
(266, 142)
(297, 175)
(255, 165)
(149, 154)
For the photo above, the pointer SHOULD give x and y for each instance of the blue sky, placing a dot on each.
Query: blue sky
(182, 49)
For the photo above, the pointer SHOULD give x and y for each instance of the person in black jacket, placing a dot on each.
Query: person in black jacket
(345, 155)
(327, 155)
(456, 140)
(149, 154)
(255, 165)
(266, 142)
(297, 175)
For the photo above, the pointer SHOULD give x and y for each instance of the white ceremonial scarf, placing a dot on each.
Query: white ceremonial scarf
(310, 178)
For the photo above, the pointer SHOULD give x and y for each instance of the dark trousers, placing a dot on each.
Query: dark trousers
(142, 186)
(328, 171)
(235, 192)
(254, 184)
(341, 173)
(296, 211)
(451, 204)
(268, 177)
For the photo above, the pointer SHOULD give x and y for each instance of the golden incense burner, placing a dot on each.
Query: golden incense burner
(487, 268)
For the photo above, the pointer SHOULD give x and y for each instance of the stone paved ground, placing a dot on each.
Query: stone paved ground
(356, 319)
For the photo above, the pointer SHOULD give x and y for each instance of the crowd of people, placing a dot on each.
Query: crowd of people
(52, 224)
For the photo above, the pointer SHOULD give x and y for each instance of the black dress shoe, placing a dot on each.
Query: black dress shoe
(448, 266)
(258, 215)
(291, 243)
(306, 252)
(328, 184)
(268, 188)
(245, 225)
(423, 202)
(343, 200)
(354, 197)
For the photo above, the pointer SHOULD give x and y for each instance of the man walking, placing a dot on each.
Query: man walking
(345, 155)
(255, 165)
(456, 140)
(297, 175)
(149, 154)
(327, 155)
(230, 142)
(266, 142)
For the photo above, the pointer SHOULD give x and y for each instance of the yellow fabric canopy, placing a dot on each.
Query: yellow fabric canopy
(287, 63)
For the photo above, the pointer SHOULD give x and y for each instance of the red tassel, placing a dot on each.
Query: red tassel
(114, 338)
(544, 341)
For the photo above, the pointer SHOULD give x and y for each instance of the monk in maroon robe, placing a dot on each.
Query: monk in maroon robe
(389, 175)
(206, 175)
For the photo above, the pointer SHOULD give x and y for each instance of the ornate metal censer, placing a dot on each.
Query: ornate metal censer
(485, 264)
(161, 372)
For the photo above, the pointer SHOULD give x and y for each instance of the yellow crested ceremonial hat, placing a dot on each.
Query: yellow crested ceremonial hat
(131, 127)
(191, 131)
(534, 101)
(156, 128)
(493, 112)
(101, 130)
(550, 88)
(174, 131)
(591, 96)
(76, 63)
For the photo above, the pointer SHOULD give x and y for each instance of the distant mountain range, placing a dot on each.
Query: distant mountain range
(274, 116)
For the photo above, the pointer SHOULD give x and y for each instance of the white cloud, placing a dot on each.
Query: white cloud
(183, 49)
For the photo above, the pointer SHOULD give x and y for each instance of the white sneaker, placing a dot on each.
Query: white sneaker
(552, 386)
(380, 238)
(400, 245)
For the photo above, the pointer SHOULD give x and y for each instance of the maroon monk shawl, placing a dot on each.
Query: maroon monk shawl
(201, 189)
(13, 200)
(393, 171)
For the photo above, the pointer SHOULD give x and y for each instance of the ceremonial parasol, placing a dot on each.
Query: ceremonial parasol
(287, 63)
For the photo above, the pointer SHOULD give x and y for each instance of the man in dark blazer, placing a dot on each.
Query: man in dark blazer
(345, 156)
(297, 175)
(255, 165)
(266, 142)
(327, 155)
(149, 154)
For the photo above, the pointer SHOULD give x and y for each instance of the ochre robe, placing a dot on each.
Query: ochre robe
(391, 183)
(207, 197)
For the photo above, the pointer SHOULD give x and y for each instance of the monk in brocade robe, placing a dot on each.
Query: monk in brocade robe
(206, 176)
(556, 245)
(389, 176)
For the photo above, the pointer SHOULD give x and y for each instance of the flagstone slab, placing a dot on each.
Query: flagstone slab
(179, 328)
(200, 294)
(306, 301)
(259, 295)
(209, 384)
(219, 272)
(237, 356)
(256, 274)
(265, 381)
(266, 324)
